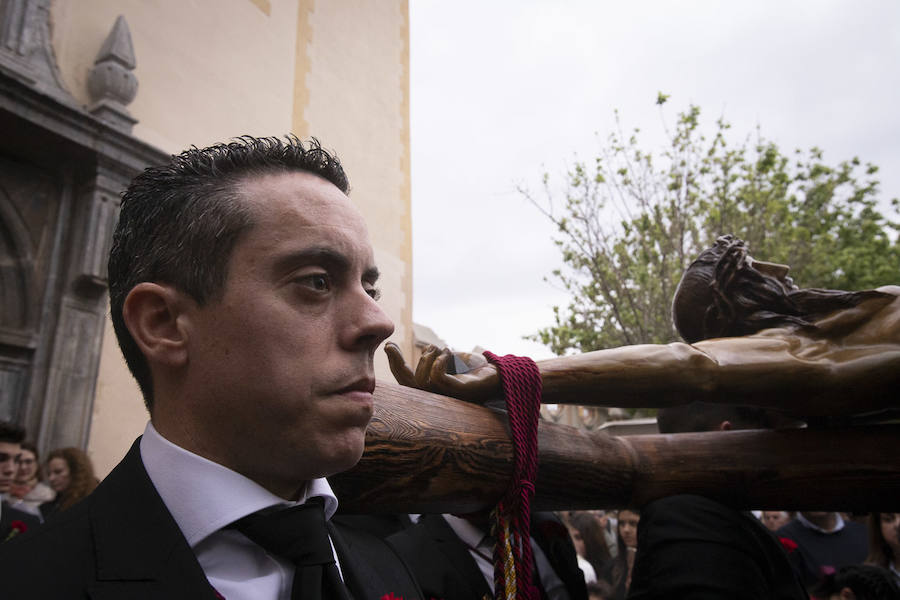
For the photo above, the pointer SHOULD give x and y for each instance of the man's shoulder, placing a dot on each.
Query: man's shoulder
(60, 547)
(687, 509)
(121, 532)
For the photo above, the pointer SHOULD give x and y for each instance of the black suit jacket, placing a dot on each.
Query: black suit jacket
(441, 562)
(8, 514)
(121, 542)
(693, 547)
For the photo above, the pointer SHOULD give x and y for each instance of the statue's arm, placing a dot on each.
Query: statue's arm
(778, 368)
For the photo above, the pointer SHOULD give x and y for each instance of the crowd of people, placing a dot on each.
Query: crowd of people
(829, 551)
(834, 555)
(33, 491)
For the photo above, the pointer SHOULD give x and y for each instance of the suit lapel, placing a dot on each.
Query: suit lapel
(139, 550)
(457, 554)
(371, 568)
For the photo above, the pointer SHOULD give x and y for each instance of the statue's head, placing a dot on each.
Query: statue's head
(725, 292)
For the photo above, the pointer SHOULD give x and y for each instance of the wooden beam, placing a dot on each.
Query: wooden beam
(427, 453)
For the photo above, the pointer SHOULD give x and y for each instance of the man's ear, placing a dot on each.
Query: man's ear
(155, 315)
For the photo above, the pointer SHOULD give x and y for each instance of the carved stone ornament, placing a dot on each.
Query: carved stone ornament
(111, 83)
(62, 169)
(25, 50)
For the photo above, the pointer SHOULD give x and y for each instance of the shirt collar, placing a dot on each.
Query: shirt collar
(464, 530)
(204, 496)
(838, 525)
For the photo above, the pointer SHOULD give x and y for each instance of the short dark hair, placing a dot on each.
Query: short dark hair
(179, 222)
(722, 295)
(11, 433)
(704, 416)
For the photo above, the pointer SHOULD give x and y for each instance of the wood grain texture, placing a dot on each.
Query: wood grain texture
(427, 453)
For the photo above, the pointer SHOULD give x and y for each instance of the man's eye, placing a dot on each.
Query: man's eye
(318, 282)
(374, 292)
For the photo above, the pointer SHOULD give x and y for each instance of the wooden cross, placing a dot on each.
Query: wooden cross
(427, 453)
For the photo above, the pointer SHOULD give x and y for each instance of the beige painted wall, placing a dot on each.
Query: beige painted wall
(209, 70)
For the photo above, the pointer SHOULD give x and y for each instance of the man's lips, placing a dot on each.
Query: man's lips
(365, 385)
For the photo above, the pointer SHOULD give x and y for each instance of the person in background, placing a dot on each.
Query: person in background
(600, 590)
(71, 475)
(618, 572)
(824, 542)
(690, 544)
(28, 492)
(451, 556)
(590, 528)
(884, 542)
(590, 574)
(13, 522)
(857, 582)
(775, 519)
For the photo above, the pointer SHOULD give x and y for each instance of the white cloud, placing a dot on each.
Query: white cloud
(503, 91)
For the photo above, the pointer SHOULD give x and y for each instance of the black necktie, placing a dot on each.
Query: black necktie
(299, 535)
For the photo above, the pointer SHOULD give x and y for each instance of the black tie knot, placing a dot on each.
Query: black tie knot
(297, 534)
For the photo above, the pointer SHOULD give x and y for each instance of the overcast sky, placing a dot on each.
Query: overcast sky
(502, 91)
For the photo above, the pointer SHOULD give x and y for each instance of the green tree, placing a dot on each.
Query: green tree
(631, 221)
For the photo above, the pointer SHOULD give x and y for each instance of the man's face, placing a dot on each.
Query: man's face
(9, 464)
(282, 364)
(775, 519)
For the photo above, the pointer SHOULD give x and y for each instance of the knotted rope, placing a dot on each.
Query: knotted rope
(513, 557)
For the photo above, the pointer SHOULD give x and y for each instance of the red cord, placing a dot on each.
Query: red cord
(521, 382)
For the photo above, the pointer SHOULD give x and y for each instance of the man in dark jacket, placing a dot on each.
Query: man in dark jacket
(451, 557)
(243, 296)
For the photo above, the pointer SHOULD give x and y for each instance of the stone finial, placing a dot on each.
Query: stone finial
(111, 83)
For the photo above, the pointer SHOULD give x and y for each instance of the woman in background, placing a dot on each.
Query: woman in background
(594, 550)
(884, 542)
(618, 571)
(71, 475)
(28, 492)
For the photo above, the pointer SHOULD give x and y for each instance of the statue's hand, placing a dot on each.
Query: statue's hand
(477, 384)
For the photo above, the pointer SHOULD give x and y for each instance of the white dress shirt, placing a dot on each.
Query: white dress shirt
(481, 548)
(204, 497)
(838, 523)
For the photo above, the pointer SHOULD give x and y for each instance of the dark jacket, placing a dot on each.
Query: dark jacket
(121, 542)
(818, 553)
(442, 565)
(693, 547)
(9, 515)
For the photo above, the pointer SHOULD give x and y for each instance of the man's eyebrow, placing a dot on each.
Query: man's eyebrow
(325, 256)
(316, 255)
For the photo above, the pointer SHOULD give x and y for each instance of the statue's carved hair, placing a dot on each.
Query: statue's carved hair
(721, 295)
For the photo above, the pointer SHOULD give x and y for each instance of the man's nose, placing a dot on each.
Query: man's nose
(369, 324)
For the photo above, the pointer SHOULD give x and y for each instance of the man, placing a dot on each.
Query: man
(691, 546)
(13, 522)
(775, 519)
(452, 557)
(243, 295)
(824, 543)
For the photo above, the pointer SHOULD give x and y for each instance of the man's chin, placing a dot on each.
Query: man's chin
(342, 456)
